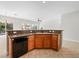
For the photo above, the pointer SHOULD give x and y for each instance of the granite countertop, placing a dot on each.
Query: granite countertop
(20, 35)
(37, 30)
(44, 33)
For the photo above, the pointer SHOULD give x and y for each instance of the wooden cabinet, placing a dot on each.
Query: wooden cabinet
(46, 41)
(10, 47)
(30, 42)
(42, 40)
(38, 41)
(55, 41)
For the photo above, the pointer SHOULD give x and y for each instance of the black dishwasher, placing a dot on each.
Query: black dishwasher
(20, 46)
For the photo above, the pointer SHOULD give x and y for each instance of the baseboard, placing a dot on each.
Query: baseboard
(71, 40)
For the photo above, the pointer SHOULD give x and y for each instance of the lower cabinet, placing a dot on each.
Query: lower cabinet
(55, 41)
(44, 41)
(38, 41)
(17, 46)
(30, 42)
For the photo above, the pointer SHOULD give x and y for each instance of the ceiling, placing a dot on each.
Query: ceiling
(32, 9)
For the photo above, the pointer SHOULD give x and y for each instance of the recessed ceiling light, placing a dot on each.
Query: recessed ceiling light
(44, 2)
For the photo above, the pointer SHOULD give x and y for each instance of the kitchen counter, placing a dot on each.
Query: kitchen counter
(35, 39)
(41, 33)
(14, 36)
(20, 35)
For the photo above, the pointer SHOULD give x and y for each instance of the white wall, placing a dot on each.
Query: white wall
(70, 23)
(50, 13)
(3, 45)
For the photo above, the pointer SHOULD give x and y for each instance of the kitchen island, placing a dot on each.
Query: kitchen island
(36, 39)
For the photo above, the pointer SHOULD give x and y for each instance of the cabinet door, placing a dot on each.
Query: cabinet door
(46, 41)
(31, 42)
(38, 41)
(55, 41)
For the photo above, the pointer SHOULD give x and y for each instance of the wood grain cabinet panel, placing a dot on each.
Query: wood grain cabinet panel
(55, 41)
(59, 41)
(46, 41)
(10, 47)
(42, 41)
(38, 42)
(31, 42)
